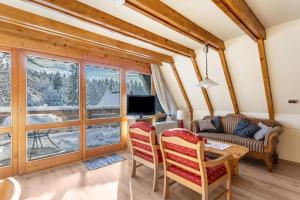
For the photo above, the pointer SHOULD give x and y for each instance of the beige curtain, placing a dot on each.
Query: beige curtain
(165, 98)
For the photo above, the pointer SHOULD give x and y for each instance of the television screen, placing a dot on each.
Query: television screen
(140, 105)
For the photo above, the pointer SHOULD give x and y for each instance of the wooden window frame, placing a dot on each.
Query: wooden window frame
(24, 165)
(96, 151)
(11, 169)
(19, 128)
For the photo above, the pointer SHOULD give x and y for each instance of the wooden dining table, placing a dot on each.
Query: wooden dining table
(237, 151)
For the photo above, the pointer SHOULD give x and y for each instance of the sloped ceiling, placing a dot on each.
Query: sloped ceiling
(207, 15)
(275, 12)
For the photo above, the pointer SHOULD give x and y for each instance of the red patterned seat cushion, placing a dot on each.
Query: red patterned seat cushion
(213, 173)
(143, 126)
(183, 134)
(140, 137)
(142, 146)
(181, 149)
(148, 157)
(183, 161)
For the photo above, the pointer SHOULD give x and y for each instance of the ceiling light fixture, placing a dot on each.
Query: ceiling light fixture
(206, 82)
(120, 2)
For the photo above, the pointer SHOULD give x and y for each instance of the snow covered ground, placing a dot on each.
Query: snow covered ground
(67, 141)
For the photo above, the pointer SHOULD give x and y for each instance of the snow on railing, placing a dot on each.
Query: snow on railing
(50, 108)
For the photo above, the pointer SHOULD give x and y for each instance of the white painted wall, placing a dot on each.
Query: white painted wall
(283, 56)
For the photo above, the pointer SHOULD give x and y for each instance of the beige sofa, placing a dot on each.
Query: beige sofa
(260, 149)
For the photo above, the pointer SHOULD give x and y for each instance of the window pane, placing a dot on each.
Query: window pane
(52, 90)
(101, 135)
(52, 142)
(102, 92)
(5, 83)
(138, 84)
(5, 149)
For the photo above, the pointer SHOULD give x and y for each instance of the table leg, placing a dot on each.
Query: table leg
(235, 167)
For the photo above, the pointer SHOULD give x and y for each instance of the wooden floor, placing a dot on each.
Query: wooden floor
(73, 181)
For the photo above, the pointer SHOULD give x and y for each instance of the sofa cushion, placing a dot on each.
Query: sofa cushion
(252, 144)
(216, 121)
(245, 129)
(260, 134)
(229, 122)
(205, 125)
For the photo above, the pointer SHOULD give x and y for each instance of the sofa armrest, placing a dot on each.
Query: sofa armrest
(195, 127)
(271, 138)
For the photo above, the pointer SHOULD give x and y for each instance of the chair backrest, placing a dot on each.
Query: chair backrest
(143, 140)
(9, 189)
(183, 149)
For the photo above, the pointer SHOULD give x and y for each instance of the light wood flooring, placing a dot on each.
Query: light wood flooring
(74, 182)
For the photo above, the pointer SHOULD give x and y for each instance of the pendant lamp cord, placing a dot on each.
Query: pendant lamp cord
(205, 49)
(206, 65)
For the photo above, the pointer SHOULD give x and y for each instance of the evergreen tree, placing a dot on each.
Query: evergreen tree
(5, 79)
(57, 85)
(57, 81)
(73, 86)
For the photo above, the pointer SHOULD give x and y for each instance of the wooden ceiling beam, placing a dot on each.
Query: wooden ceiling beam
(32, 21)
(242, 15)
(229, 81)
(183, 92)
(265, 75)
(96, 17)
(32, 39)
(204, 91)
(171, 18)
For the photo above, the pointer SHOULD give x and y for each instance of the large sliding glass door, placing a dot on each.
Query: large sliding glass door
(103, 108)
(50, 110)
(56, 110)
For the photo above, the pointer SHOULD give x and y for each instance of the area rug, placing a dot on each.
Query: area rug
(97, 163)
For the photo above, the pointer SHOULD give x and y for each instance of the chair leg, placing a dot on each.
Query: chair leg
(155, 178)
(205, 195)
(166, 187)
(133, 168)
(228, 188)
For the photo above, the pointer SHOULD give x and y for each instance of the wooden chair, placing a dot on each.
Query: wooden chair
(144, 149)
(185, 163)
(9, 189)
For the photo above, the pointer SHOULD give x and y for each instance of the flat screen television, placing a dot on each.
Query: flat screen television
(140, 105)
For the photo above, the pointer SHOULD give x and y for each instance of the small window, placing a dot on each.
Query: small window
(138, 84)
